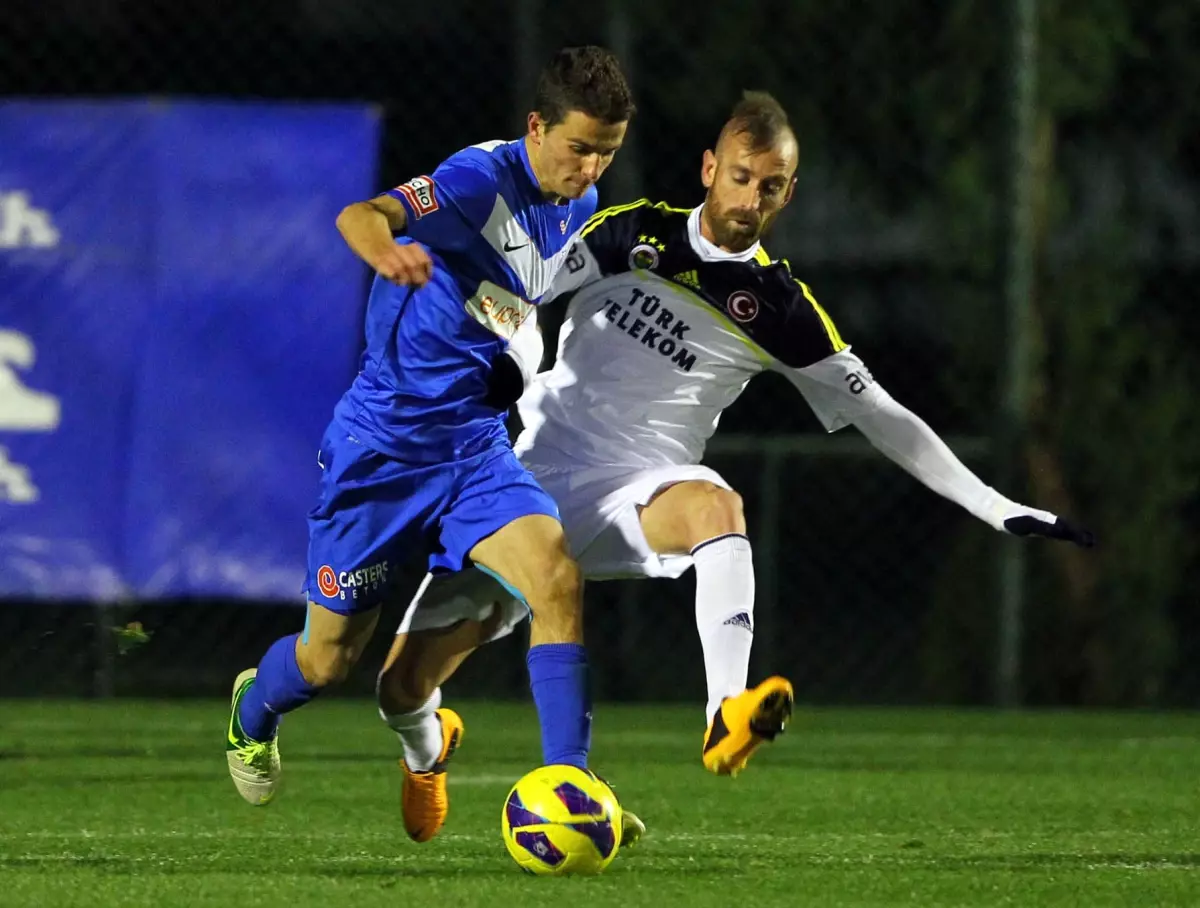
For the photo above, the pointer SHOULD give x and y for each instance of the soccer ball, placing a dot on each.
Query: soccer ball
(560, 820)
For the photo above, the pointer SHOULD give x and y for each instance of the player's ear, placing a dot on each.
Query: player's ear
(787, 196)
(537, 126)
(708, 168)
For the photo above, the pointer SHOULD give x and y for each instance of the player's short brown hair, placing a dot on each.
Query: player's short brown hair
(760, 117)
(587, 79)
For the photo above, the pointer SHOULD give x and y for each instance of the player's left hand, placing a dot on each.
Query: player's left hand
(1032, 522)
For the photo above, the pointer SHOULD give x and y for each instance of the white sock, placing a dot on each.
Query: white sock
(724, 613)
(420, 732)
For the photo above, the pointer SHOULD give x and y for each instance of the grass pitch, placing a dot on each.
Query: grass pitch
(128, 803)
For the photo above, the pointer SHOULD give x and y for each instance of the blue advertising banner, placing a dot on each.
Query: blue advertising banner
(177, 319)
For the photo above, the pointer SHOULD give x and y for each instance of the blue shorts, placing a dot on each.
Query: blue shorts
(375, 511)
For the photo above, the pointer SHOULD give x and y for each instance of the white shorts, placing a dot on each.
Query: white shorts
(600, 508)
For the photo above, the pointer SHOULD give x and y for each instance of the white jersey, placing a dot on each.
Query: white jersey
(664, 333)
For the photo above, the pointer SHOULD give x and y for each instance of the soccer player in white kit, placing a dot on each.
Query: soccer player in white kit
(674, 312)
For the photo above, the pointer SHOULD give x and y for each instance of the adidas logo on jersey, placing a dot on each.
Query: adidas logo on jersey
(22, 225)
(688, 279)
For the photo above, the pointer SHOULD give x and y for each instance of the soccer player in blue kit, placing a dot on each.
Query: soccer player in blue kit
(417, 457)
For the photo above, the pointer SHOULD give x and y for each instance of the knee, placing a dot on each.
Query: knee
(416, 691)
(326, 665)
(715, 512)
(556, 603)
(561, 582)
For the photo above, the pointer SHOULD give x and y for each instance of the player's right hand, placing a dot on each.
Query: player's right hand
(406, 265)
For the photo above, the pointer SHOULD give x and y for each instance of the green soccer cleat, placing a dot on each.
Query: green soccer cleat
(632, 829)
(253, 765)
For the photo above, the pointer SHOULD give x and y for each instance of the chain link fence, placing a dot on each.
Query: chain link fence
(871, 589)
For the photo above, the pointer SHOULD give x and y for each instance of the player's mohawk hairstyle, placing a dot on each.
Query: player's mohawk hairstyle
(587, 79)
(759, 116)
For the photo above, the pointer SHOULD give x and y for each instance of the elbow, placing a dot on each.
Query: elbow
(345, 217)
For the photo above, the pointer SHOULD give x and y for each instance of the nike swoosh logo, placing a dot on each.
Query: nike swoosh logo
(508, 247)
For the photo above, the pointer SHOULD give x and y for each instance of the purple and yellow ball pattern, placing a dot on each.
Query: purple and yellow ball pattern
(562, 820)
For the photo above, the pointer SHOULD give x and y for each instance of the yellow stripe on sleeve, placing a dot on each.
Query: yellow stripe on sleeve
(663, 206)
(601, 216)
(830, 328)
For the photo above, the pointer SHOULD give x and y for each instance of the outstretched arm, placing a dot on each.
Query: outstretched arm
(841, 391)
(907, 440)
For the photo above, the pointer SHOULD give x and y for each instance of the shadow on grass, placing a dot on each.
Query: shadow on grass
(385, 870)
(1043, 860)
(189, 752)
(107, 779)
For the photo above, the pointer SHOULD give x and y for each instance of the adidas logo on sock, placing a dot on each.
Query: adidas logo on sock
(741, 619)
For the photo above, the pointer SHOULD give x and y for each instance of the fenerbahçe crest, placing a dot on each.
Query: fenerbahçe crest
(643, 256)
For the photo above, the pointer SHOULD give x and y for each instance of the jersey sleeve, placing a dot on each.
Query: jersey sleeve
(579, 269)
(448, 209)
(808, 351)
(601, 249)
(838, 388)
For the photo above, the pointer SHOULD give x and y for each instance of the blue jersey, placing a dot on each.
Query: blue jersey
(496, 244)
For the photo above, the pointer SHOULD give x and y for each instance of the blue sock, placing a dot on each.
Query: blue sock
(558, 677)
(278, 688)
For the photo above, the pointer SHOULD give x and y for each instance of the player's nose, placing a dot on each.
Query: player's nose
(742, 200)
(590, 167)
